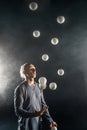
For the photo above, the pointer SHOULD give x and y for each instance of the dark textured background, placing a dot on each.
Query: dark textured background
(68, 103)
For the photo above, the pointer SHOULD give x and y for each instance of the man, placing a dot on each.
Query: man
(29, 102)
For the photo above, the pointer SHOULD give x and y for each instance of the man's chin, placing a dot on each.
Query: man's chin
(34, 76)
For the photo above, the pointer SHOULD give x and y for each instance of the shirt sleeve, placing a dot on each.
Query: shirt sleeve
(18, 104)
(46, 114)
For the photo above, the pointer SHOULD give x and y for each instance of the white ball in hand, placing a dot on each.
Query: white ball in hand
(54, 128)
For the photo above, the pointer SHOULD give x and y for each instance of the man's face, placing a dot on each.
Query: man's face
(31, 71)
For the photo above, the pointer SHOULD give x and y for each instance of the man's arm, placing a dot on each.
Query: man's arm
(46, 113)
(18, 105)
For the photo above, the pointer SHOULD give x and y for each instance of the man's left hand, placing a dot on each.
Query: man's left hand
(52, 124)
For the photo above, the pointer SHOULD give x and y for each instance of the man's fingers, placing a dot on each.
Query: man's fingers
(39, 113)
(35, 111)
(44, 109)
(53, 124)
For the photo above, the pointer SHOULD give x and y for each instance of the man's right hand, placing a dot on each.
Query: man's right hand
(40, 113)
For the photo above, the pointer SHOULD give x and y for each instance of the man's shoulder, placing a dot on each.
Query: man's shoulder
(20, 86)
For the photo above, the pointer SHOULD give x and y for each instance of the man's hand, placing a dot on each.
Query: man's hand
(43, 109)
(52, 124)
(40, 113)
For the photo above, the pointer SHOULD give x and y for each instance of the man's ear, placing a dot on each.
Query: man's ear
(27, 75)
(24, 73)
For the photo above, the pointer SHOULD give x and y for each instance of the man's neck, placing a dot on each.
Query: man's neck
(31, 82)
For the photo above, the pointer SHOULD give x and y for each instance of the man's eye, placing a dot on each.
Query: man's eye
(33, 69)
